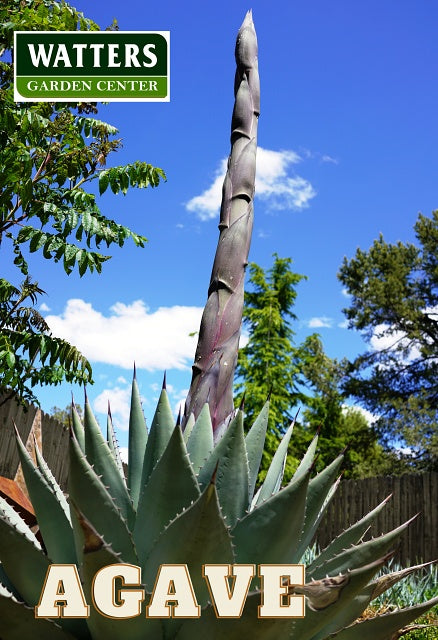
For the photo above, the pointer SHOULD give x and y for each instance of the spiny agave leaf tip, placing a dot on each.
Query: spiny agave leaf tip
(135, 372)
(178, 420)
(164, 382)
(242, 403)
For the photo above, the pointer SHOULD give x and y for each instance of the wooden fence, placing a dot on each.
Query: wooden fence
(53, 435)
(411, 495)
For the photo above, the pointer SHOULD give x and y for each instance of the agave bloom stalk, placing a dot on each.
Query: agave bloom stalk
(218, 343)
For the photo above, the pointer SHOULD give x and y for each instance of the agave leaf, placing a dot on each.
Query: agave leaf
(159, 436)
(172, 487)
(6, 586)
(229, 456)
(24, 564)
(100, 457)
(361, 601)
(307, 461)
(98, 554)
(138, 436)
(200, 442)
(270, 533)
(388, 580)
(360, 554)
(347, 538)
(17, 621)
(51, 480)
(87, 490)
(327, 597)
(17, 521)
(189, 427)
(383, 627)
(55, 527)
(78, 427)
(319, 494)
(249, 625)
(274, 476)
(197, 536)
(113, 444)
(255, 441)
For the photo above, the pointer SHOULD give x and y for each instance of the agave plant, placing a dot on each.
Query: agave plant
(190, 496)
(186, 500)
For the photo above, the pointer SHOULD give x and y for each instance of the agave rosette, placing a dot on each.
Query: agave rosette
(188, 500)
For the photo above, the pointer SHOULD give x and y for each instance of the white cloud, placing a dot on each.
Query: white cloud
(343, 324)
(327, 158)
(276, 183)
(120, 403)
(44, 307)
(371, 418)
(155, 340)
(345, 293)
(386, 338)
(124, 454)
(320, 322)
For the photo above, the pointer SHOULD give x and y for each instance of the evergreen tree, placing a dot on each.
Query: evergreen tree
(298, 377)
(341, 427)
(394, 303)
(269, 365)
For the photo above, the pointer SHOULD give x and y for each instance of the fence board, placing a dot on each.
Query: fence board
(412, 494)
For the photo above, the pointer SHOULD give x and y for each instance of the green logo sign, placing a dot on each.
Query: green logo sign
(109, 66)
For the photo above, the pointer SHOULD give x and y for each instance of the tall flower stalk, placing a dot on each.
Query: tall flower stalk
(218, 343)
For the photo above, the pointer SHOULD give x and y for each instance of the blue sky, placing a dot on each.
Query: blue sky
(348, 136)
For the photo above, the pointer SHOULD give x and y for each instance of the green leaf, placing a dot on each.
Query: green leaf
(270, 534)
(383, 627)
(232, 474)
(319, 493)
(113, 444)
(17, 621)
(307, 460)
(159, 436)
(48, 475)
(97, 555)
(100, 457)
(200, 441)
(86, 491)
(360, 554)
(54, 525)
(254, 442)
(198, 536)
(138, 436)
(25, 565)
(347, 538)
(274, 476)
(328, 597)
(78, 428)
(171, 488)
(249, 625)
